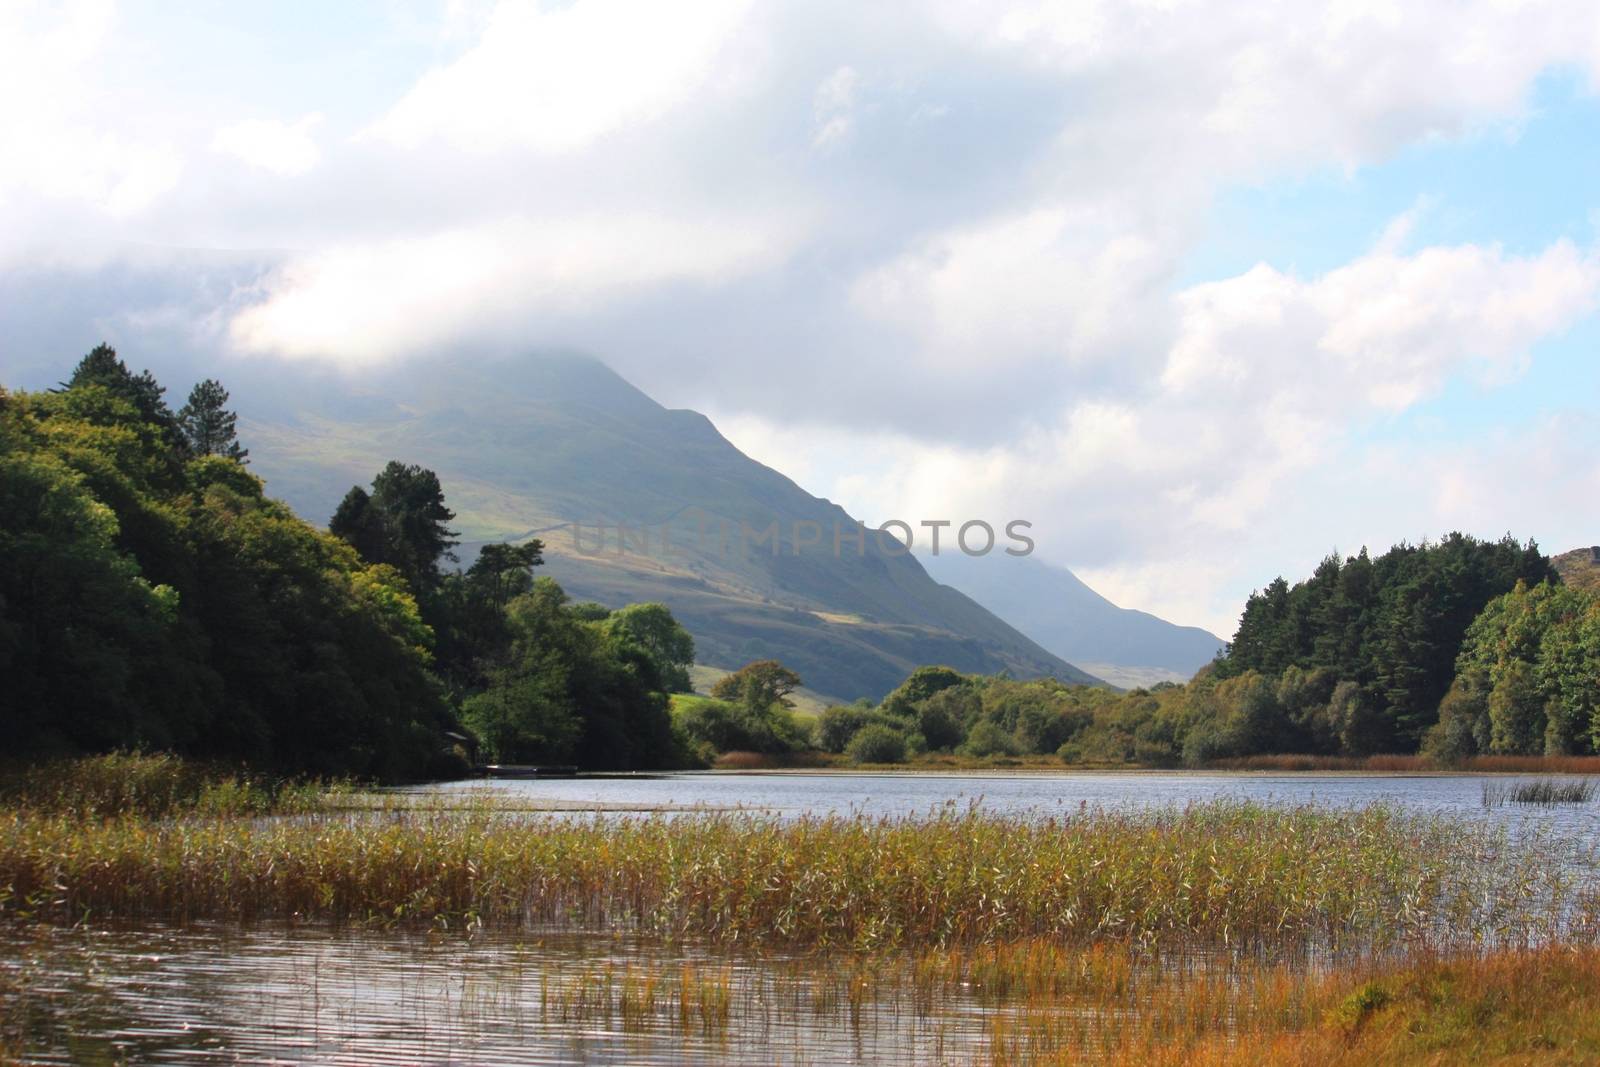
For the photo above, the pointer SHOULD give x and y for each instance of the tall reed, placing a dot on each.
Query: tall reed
(1221, 873)
(154, 786)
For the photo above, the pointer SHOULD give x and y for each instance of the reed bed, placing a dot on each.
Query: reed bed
(1545, 791)
(1220, 874)
(155, 786)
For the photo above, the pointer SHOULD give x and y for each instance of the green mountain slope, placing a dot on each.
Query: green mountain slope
(637, 502)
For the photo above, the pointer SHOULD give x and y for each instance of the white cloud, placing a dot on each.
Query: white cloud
(557, 79)
(833, 107)
(59, 143)
(933, 254)
(286, 149)
(1266, 377)
(1053, 284)
(365, 303)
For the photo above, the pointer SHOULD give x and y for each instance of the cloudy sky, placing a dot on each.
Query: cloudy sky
(1203, 291)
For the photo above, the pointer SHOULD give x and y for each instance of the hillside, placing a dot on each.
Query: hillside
(1054, 607)
(562, 448)
(1579, 568)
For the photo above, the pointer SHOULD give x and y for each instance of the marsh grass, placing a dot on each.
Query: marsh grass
(154, 786)
(1218, 874)
(1543, 791)
(1221, 932)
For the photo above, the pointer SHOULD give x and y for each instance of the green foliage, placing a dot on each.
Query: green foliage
(839, 723)
(652, 628)
(923, 683)
(402, 522)
(1392, 626)
(758, 685)
(101, 368)
(1528, 677)
(569, 688)
(877, 743)
(207, 426)
(151, 601)
(468, 612)
(988, 739)
(716, 726)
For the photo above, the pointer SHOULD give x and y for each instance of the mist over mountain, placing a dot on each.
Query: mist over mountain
(637, 502)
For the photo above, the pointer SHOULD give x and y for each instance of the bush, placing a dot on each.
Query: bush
(876, 743)
(837, 725)
(988, 739)
(723, 727)
(935, 722)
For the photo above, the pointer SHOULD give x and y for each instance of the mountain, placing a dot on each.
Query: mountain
(1051, 605)
(1579, 568)
(637, 502)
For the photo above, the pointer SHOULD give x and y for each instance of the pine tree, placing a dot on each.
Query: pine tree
(208, 426)
(102, 367)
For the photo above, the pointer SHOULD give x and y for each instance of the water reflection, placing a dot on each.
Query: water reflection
(318, 995)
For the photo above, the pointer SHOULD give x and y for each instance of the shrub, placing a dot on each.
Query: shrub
(936, 723)
(876, 743)
(724, 727)
(988, 739)
(837, 725)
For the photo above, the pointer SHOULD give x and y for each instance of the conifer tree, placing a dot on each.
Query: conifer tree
(208, 426)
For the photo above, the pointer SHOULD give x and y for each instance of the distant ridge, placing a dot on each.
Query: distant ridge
(1579, 568)
(1054, 607)
(547, 442)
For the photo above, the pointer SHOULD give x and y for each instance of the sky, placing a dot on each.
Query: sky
(1203, 292)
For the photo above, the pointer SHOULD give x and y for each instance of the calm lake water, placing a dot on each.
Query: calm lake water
(218, 994)
(1042, 794)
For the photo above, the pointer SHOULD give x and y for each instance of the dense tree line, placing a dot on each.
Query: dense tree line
(152, 596)
(1460, 647)
(1390, 626)
(1528, 678)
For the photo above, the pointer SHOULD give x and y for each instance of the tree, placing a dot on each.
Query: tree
(567, 690)
(102, 367)
(758, 685)
(503, 571)
(359, 525)
(147, 601)
(208, 427)
(652, 627)
(401, 523)
(412, 505)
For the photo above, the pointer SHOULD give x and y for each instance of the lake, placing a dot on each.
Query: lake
(890, 794)
(215, 993)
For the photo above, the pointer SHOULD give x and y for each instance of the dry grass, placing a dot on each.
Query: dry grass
(766, 761)
(1534, 764)
(1536, 1007)
(1220, 873)
(154, 786)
